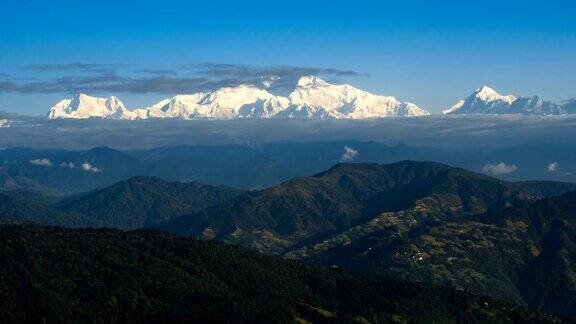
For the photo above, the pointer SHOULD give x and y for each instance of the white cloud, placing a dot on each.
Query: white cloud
(68, 165)
(553, 167)
(499, 169)
(42, 162)
(89, 167)
(349, 154)
(86, 166)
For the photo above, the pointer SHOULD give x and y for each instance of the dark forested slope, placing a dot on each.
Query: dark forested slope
(102, 275)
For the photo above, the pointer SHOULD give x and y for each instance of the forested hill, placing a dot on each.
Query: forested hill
(103, 276)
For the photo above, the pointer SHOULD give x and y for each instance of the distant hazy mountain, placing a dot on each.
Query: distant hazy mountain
(311, 98)
(62, 173)
(17, 210)
(108, 276)
(486, 100)
(135, 203)
(144, 202)
(59, 172)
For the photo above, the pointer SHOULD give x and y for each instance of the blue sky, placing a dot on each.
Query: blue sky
(428, 52)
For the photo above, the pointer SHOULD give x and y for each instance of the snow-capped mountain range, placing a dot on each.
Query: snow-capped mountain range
(486, 100)
(312, 98)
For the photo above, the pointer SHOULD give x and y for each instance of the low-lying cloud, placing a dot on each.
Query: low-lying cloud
(68, 165)
(349, 154)
(499, 169)
(553, 167)
(42, 162)
(89, 167)
(86, 166)
(435, 131)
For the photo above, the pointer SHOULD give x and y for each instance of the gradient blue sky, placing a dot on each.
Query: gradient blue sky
(428, 52)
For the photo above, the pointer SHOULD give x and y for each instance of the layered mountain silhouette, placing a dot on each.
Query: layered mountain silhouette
(134, 203)
(277, 218)
(413, 221)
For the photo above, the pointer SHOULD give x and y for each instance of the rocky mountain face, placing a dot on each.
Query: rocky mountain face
(312, 97)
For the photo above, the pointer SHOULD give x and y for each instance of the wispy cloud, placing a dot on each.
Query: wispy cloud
(282, 75)
(74, 67)
(122, 78)
(246, 71)
(8, 86)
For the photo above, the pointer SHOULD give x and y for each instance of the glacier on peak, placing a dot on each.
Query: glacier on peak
(488, 94)
(311, 98)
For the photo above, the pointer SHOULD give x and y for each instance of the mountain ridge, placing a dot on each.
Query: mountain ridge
(486, 100)
(273, 219)
(311, 98)
(143, 202)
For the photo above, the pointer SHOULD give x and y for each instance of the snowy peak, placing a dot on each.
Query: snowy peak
(82, 106)
(223, 103)
(311, 98)
(486, 100)
(316, 98)
(483, 100)
(311, 81)
(488, 94)
(454, 108)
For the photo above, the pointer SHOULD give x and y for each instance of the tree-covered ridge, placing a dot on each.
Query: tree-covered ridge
(523, 254)
(549, 281)
(274, 219)
(417, 221)
(103, 275)
(144, 202)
